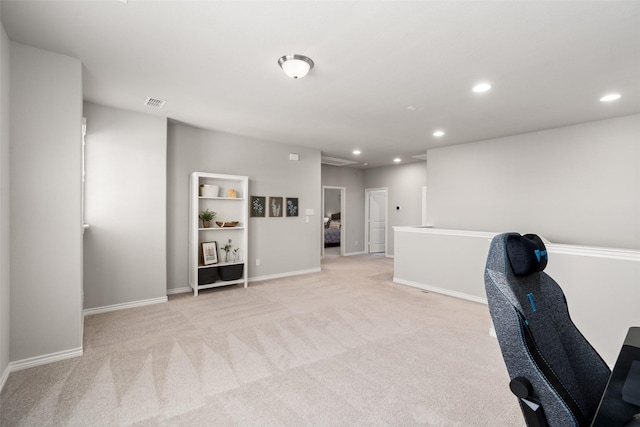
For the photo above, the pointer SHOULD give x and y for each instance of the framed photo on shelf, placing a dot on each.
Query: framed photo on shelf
(209, 253)
(258, 206)
(275, 206)
(292, 206)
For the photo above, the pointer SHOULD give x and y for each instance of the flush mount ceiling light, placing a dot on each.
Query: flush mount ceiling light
(295, 66)
(481, 87)
(356, 152)
(438, 133)
(397, 160)
(610, 97)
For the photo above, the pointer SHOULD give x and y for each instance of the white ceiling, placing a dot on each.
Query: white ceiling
(216, 65)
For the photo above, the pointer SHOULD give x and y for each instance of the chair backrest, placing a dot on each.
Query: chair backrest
(537, 337)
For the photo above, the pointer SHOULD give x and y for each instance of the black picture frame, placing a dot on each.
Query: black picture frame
(258, 206)
(291, 207)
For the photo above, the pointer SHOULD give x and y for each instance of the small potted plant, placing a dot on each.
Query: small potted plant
(207, 216)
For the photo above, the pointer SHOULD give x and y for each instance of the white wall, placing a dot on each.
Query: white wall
(576, 185)
(5, 259)
(283, 245)
(452, 262)
(353, 217)
(46, 233)
(125, 206)
(404, 183)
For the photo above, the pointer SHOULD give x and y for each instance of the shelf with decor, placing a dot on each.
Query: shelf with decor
(218, 230)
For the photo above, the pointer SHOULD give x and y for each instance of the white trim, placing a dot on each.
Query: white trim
(556, 248)
(3, 378)
(44, 359)
(430, 230)
(123, 306)
(611, 253)
(343, 218)
(443, 291)
(280, 275)
(179, 290)
(355, 253)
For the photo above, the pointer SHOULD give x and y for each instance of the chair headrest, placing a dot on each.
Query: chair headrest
(527, 254)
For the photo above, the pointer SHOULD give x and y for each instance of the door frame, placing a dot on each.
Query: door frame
(367, 238)
(343, 218)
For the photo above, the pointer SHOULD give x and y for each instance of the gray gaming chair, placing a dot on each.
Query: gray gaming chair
(556, 374)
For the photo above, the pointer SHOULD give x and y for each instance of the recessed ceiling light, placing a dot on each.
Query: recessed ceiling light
(356, 152)
(610, 97)
(481, 87)
(397, 160)
(411, 108)
(438, 133)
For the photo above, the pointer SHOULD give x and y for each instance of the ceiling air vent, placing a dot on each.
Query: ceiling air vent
(155, 102)
(334, 161)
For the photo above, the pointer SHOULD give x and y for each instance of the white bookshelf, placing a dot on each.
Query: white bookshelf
(227, 209)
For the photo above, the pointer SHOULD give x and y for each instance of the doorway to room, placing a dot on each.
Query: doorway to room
(375, 220)
(334, 220)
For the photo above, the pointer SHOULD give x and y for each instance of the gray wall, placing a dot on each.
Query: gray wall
(576, 185)
(125, 206)
(331, 201)
(283, 245)
(5, 282)
(353, 217)
(404, 183)
(46, 233)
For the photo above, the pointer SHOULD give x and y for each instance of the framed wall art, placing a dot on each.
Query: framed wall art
(258, 206)
(292, 206)
(209, 253)
(275, 206)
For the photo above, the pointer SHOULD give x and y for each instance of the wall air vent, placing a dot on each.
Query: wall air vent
(334, 161)
(155, 102)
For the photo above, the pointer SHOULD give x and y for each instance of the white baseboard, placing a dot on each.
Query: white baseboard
(115, 307)
(280, 275)
(44, 359)
(179, 290)
(443, 291)
(354, 253)
(37, 361)
(3, 378)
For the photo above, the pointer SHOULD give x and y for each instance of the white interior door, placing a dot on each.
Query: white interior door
(377, 220)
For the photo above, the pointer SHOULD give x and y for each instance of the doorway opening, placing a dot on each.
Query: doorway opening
(375, 212)
(334, 221)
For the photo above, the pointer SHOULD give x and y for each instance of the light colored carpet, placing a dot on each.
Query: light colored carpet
(343, 347)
